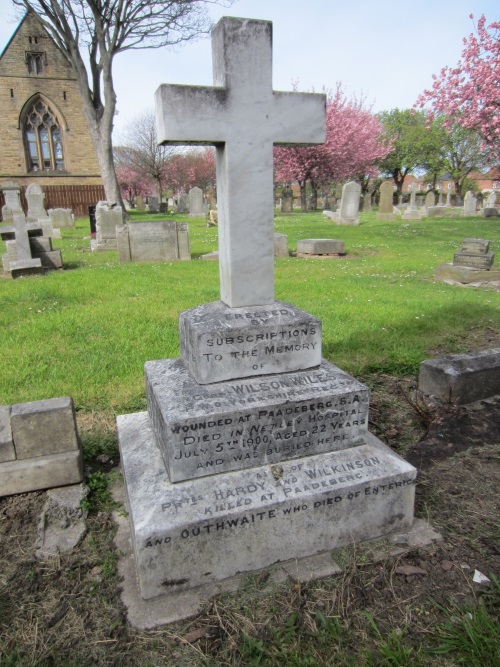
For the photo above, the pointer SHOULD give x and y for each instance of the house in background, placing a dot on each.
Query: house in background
(45, 138)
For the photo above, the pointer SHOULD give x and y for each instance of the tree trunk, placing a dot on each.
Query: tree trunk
(303, 197)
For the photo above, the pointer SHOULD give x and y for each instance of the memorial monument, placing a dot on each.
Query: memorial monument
(254, 449)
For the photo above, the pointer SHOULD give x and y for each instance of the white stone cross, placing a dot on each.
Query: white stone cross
(243, 117)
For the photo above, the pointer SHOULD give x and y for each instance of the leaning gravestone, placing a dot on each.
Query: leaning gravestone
(196, 203)
(35, 197)
(349, 204)
(386, 205)
(253, 450)
(107, 216)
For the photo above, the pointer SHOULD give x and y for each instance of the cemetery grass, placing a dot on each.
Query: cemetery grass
(87, 331)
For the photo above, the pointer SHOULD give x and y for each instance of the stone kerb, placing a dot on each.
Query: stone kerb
(320, 247)
(39, 446)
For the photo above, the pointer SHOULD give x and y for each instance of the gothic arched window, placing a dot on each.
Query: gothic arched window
(43, 139)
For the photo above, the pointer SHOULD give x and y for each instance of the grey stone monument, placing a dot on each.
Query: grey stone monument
(183, 203)
(12, 195)
(287, 199)
(349, 204)
(35, 196)
(25, 264)
(412, 212)
(196, 209)
(153, 205)
(253, 449)
(107, 216)
(150, 242)
(386, 206)
(281, 245)
(473, 263)
(470, 204)
(430, 199)
(61, 217)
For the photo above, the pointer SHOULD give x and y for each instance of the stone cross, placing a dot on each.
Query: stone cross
(243, 117)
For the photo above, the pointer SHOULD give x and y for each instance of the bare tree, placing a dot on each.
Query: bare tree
(102, 29)
(139, 149)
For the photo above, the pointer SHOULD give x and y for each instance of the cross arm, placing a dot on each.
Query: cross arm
(300, 118)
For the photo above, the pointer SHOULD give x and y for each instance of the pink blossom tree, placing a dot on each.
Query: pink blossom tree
(353, 145)
(132, 182)
(187, 169)
(469, 94)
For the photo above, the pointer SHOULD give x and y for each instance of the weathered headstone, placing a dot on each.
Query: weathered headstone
(35, 197)
(12, 195)
(281, 245)
(470, 204)
(448, 199)
(317, 247)
(183, 203)
(254, 449)
(430, 199)
(149, 242)
(349, 204)
(41, 248)
(367, 202)
(153, 204)
(25, 264)
(196, 209)
(386, 205)
(287, 200)
(139, 202)
(108, 216)
(61, 217)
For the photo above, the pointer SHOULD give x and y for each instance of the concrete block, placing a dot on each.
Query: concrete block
(41, 428)
(462, 378)
(42, 472)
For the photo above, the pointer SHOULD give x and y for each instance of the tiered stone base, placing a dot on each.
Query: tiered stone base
(205, 530)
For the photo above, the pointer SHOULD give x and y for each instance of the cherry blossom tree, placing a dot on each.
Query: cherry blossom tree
(353, 145)
(132, 181)
(469, 94)
(186, 169)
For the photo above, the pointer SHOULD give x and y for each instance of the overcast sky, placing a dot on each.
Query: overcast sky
(386, 50)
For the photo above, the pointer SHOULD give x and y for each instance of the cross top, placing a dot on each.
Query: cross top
(243, 117)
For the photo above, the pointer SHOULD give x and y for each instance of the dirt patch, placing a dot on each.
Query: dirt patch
(67, 610)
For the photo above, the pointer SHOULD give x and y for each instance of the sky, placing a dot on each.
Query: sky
(385, 51)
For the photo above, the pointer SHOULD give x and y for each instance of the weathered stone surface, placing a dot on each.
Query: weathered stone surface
(349, 204)
(44, 427)
(198, 532)
(281, 245)
(40, 244)
(466, 274)
(62, 522)
(320, 247)
(61, 217)
(35, 197)
(243, 117)
(331, 215)
(51, 260)
(108, 216)
(183, 241)
(470, 204)
(42, 472)
(220, 343)
(475, 260)
(489, 212)
(196, 203)
(25, 267)
(462, 378)
(385, 207)
(7, 451)
(211, 256)
(209, 429)
(477, 246)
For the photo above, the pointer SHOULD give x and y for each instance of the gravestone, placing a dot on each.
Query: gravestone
(386, 206)
(367, 202)
(139, 202)
(320, 247)
(61, 217)
(253, 449)
(183, 203)
(41, 248)
(448, 199)
(35, 197)
(412, 212)
(163, 207)
(470, 204)
(430, 199)
(287, 200)
(151, 242)
(196, 203)
(153, 204)
(107, 217)
(281, 245)
(12, 196)
(349, 204)
(473, 263)
(25, 264)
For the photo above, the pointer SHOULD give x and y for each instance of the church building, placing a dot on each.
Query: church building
(45, 138)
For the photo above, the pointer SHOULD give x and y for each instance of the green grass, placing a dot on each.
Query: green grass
(87, 331)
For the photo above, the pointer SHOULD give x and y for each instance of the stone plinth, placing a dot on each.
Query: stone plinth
(462, 378)
(209, 429)
(220, 343)
(108, 216)
(195, 532)
(307, 247)
(477, 246)
(474, 260)
(466, 274)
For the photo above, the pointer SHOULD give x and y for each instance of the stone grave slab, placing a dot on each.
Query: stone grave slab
(281, 245)
(61, 217)
(147, 242)
(221, 343)
(466, 274)
(197, 532)
(41, 472)
(25, 264)
(349, 204)
(35, 197)
(7, 451)
(209, 429)
(108, 216)
(462, 378)
(477, 261)
(476, 246)
(196, 209)
(306, 247)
